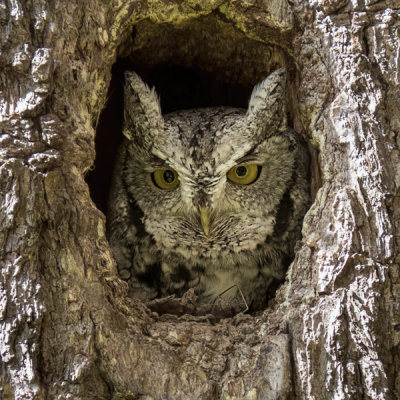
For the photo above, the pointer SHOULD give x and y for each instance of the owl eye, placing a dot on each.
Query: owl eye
(166, 179)
(244, 174)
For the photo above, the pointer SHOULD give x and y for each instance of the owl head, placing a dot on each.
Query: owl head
(208, 181)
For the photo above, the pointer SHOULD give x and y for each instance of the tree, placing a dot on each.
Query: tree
(67, 330)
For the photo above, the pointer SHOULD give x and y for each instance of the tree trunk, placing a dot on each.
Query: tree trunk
(67, 328)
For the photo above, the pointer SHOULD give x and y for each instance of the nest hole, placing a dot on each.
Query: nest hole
(204, 62)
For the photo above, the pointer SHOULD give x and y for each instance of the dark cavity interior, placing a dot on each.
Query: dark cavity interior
(204, 62)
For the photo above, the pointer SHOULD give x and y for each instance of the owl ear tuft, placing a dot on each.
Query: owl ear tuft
(142, 111)
(267, 105)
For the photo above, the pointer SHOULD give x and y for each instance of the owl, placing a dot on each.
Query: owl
(209, 198)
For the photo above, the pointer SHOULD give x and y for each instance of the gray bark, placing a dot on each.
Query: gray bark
(67, 330)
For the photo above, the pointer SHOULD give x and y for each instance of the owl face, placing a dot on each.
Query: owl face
(208, 181)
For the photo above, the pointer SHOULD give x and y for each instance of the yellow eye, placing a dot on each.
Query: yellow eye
(166, 179)
(244, 174)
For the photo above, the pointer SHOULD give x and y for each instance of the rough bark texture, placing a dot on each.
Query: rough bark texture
(67, 331)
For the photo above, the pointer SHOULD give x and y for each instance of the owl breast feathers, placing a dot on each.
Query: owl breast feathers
(208, 198)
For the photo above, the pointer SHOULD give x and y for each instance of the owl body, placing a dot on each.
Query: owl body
(208, 198)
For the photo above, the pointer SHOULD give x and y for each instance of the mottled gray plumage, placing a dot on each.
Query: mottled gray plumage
(158, 237)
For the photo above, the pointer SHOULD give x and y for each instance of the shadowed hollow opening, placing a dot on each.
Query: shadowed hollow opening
(201, 63)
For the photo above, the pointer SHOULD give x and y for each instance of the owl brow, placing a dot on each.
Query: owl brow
(250, 156)
(158, 162)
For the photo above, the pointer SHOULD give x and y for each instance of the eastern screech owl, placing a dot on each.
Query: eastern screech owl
(208, 198)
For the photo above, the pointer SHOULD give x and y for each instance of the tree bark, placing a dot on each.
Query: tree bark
(67, 329)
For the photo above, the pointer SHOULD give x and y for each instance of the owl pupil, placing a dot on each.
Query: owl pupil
(168, 176)
(241, 171)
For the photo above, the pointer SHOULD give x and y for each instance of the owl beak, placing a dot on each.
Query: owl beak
(205, 219)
